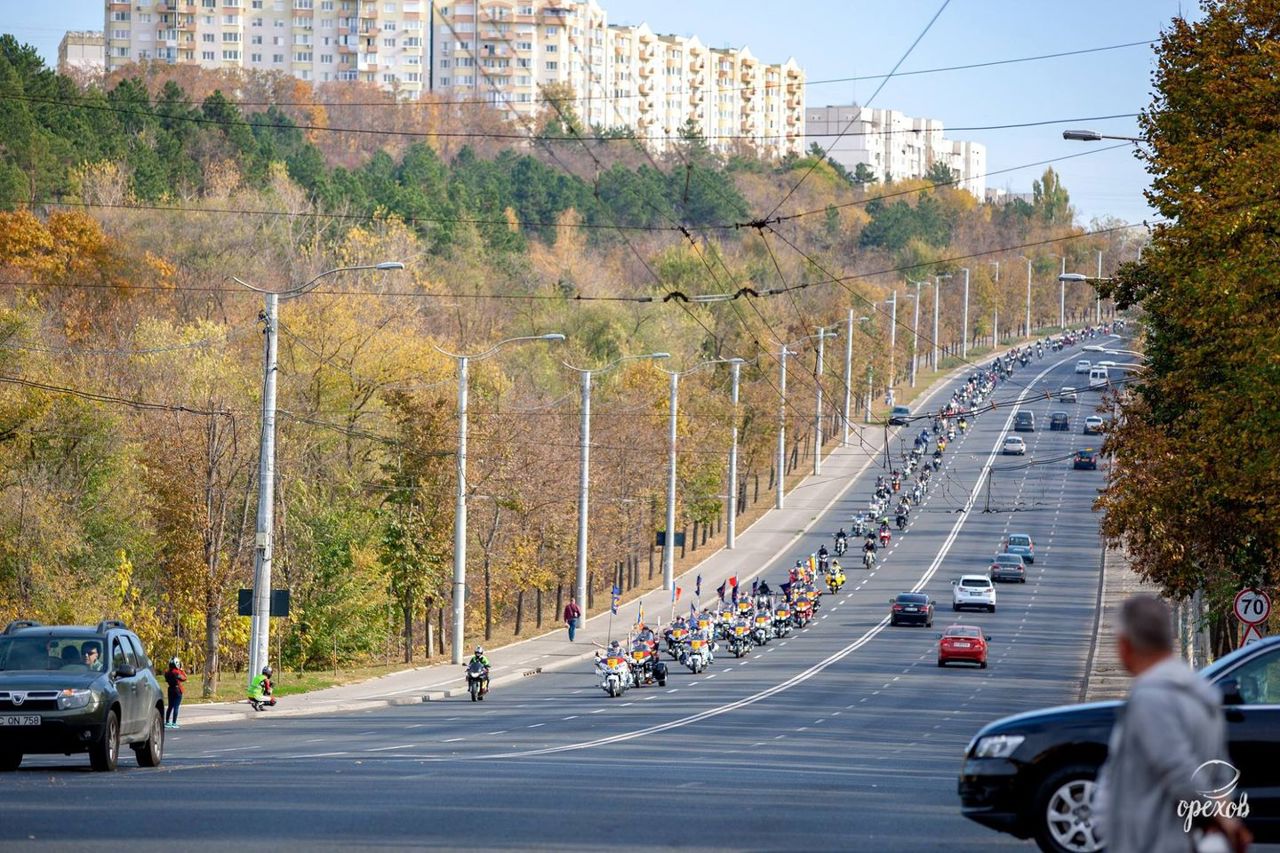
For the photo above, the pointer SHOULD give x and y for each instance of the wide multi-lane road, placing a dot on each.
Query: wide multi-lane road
(842, 736)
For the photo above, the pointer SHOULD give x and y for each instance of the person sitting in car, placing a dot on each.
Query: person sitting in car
(91, 653)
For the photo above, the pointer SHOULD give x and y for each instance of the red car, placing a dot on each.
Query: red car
(963, 643)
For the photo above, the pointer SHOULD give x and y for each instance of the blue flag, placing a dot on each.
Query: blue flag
(720, 591)
(693, 610)
(697, 586)
(613, 607)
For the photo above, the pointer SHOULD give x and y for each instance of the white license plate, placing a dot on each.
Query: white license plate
(20, 720)
(960, 645)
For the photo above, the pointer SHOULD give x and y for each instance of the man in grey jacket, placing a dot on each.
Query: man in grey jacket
(1171, 726)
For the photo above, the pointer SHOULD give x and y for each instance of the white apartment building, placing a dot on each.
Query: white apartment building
(504, 51)
(375, 41)
(82, 52)
(894, 146)
(498, 51)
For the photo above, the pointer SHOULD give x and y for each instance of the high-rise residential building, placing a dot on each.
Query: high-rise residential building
(382, 42)
(505, 52)
(81, 52)
(894, 146)
(502, 52)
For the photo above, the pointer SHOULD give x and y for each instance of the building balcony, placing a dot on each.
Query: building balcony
(646, 70)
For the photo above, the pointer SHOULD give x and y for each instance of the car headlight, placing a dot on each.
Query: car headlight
(997, 746)
(69, 700)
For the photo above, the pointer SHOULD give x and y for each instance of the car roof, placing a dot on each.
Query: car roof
(912, 596)
(975, 578)
(1056, 414)
(947, 630)
(74, 631)
(1010, 558)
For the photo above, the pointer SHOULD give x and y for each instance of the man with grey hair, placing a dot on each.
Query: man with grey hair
(1171, 725)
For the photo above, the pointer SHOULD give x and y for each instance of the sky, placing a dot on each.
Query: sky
(847, 38)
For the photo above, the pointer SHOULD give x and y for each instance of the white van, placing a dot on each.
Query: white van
(1098, 378)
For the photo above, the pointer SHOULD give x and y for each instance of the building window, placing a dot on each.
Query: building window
(255, 57)
(277, 58)
(326, 59)
(388, 42)
(302, 57)
(231, 54)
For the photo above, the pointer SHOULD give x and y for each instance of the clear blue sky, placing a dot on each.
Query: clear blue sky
(843, 38)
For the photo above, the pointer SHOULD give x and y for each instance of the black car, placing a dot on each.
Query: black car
(911, 608)
(1059, 421)
(1085, 459)
(1024, 422)
(66, 689)
(1032, 775)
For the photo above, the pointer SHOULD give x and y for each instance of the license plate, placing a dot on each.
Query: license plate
(20, 720)
(960, 645)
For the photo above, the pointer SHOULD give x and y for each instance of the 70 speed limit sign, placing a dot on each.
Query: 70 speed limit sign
(1253, 606)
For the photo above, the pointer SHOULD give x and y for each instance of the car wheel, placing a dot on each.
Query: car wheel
(151, 751)
(991, 608)
(955, 607)
(982, 664)
(9, 761)
(893, 622)
(1064, 811)
(1022, 580)
(104, 754)
(941, 662)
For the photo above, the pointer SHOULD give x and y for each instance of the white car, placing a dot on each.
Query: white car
(1083, 365)
(1067, 394)
(1092, 425)
(1014, 446)
(973, 591)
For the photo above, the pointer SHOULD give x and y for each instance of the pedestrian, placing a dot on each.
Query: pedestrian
(174, 676)
(572, 613)
(1167, 746)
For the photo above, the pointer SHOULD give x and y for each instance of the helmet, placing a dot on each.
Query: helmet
(175, 663)
(266, 670)
(479, 650)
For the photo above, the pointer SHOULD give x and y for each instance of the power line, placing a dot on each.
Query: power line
(144, 405)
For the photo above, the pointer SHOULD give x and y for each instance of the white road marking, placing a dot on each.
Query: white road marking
(397, 746)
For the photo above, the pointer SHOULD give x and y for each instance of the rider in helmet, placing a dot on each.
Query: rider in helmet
(260, 690)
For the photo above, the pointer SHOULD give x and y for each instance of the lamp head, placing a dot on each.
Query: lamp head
(389, 265)
(554, 336)
(1082, 135)
(1072, 276)
(658, 356)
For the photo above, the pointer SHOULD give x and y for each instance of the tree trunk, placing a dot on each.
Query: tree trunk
(694, 542)
(559, 599)
(488, 601)
(538, 621)
(519, 610)
(408, 633)
(440, 629)
(426, 629)
(211, 636)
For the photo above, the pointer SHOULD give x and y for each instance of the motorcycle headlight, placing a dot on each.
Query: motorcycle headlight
(69, 700)
(997, 746)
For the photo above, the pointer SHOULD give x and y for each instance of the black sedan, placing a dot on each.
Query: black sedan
(1032, 775)
(1085, 459)
(911, 608)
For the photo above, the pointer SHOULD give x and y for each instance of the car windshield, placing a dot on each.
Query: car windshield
(975, 582)
(962, 631)
(1020, 541)
(46, 653)
(912, 599)
(1013, 441)
(1009, 559)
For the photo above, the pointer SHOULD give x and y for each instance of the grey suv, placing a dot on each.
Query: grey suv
(66, 689)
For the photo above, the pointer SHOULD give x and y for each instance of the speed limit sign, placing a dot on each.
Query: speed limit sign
(1253, 606)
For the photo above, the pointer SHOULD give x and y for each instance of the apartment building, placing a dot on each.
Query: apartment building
(894, 146)
(504, 51)
(382, 42)
(82, 52)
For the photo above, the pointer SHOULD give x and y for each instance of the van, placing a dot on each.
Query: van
(1098, 378)
(1024, 422)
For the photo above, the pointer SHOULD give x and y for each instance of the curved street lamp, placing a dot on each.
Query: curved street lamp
(460, 505)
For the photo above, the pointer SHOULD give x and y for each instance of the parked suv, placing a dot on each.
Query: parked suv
(1032, 775)
(68, 688)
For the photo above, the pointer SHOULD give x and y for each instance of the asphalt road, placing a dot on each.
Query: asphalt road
(842, 736)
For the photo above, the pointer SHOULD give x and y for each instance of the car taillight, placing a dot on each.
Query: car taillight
(897, 607)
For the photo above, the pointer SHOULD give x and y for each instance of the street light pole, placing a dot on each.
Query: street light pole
(822, 336)
(584, 473)
(995, 310)
(848, 379)
(964, 341)
(782, 428)
(937, 301)
(260, 617)
(732, 531)
(1097, 301)
(1062, 296)
(669, 540)
(915, 333)
(460, 496)
(893, 344)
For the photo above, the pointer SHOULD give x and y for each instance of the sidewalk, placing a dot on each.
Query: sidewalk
(759, 548)
(1107, 678)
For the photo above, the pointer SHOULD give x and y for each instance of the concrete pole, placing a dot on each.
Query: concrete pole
(964, 342)
(460, 520)
(260, 622)
(870, 391)
(937, 300)
(1097, 300)
(995, 311)
(848, 379)
(893, 340)
(1062, 297)
(1028, 326)
(584, 486)
(915, 332)
(669, 542)
(817, 414)
(731, 535)
(782, 428)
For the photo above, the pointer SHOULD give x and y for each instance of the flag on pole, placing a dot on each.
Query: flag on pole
(755, 586)
(640, 615)
(720, 590)
(697, 586)
(733, 581)
(678, 592)
(693, 610)
(617, 593)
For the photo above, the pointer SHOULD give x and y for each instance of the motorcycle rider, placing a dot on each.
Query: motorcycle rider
(841, 540)
(479, 657)
(260, 690)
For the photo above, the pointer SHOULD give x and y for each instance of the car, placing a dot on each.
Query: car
(1024, 421)
(1083, 365)
(56, 698)
(1020, 544)
(907, 608)
(1032, 775)
(1067, 394)
(1099, 378)
(1093, 425)
(900, 416)
(1013, 446)
(1007, 567)
(973, 591)
(1085, 460)
(963, 643)
(1059, 422)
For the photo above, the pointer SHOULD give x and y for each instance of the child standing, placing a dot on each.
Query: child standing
(174, 676)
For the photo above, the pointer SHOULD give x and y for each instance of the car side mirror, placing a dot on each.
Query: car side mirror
(933, 603)
(987, 637)
(126, 671)
(891, 601)
(955, 583)
(1230, 692)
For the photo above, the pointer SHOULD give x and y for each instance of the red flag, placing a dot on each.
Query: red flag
(679, 590)
(733, 581)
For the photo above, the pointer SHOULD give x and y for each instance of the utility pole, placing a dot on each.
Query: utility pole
(732, 526)
(1028, 326)
(1097, 300)
(782, 428)
(964, 342)
(822, 336)
(260, 624)
(848, 379)
(893, 342)
(1062, 296)
(915, 333)
(669, 541)
(995, 310)
(937, 301)
(870, 391)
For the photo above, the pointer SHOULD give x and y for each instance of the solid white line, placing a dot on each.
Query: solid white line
(397, 746)
(454, 740)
